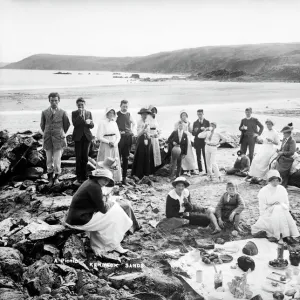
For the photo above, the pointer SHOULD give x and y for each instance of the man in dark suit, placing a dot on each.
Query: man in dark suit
(178, 142)
(285, 155)
(82, 136)
(199, 143)
(249, 130)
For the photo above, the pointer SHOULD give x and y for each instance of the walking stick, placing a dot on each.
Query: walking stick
(21, 159)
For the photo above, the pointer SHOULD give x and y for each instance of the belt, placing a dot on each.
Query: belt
(212, 145)
(112, 134)
(153, 128)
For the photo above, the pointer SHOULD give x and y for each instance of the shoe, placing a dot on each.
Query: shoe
(50, 179)
(120, 249)
(124, 182)
(56, 181)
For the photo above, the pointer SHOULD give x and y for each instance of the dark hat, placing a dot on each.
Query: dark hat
(239, 153)
(248, 109)
(181, 180)
(288, 128)
(144, 111)
(245, 263)
(250, 249)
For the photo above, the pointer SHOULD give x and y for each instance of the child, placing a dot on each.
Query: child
(241, 165)
(229, 208)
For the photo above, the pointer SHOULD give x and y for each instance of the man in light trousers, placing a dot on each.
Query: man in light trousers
(54, 124)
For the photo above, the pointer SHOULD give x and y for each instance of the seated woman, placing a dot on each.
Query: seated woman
(275, 218)
(105, 228)
(179, 206)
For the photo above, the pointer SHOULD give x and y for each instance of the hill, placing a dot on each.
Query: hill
(3, 64)
(266, 61)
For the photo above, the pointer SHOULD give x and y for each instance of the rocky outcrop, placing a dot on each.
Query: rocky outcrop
(11, 263)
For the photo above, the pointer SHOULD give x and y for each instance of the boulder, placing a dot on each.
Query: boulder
(4, 136)
(36, 158)
(26, 184)
(69, 274)
(9, 294)
(51, 205)
(24, 198)
(51, 249)
(11, 263)
(68, 152)
(34, 173)
(232, 140)
(171, 223)
(74, 248)
(296, 136)
(6, 226)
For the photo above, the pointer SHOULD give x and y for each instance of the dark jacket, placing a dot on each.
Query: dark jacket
(252, 125)
(242, 164)
(289, 148)
(80, 127)
(86, 201)
(285, 161)
(174, 137)
(195, 132)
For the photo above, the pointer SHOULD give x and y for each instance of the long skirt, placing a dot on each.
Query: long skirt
(141, 161)
(155, 155)
(275, 221)
(189, 163)
(106, 231)
(106, 151)
(260, 163)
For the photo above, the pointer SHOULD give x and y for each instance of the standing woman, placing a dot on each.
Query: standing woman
(260, 164)
(141, 162)
(189, 163)
(155, 158)
(212, 140)
(109, 135)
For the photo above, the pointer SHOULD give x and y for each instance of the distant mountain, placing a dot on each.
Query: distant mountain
(259, 61)
(3, 64)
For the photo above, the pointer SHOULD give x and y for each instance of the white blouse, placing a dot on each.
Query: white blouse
(107, 127)
(215, 139)
(153, 124)
(140, 127)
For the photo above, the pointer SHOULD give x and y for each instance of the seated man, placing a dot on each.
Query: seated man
(179, 206)
(241, 165)
(229, 208)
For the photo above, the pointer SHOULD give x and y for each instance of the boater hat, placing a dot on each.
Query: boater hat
(270, 121)
(180, 180)
(144, 111)
(104, 173)
(288, 128)
(109, 163)
(272, 174)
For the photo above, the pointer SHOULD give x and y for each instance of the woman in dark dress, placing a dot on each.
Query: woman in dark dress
(141, 162)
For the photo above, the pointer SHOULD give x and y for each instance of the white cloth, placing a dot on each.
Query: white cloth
(106, 231)
(274, 219)
(185, 193)
(215, 139)
(211, 160)
(189, 163)
(155, 141)
(109, 127)
(54, 161)
(180, 133)
(261, 161)
(141, 124)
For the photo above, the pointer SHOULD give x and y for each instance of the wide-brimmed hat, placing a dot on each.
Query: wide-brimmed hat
(151, 107)
(272, 174)
(108, 109)
(288, 128)
(270, 121)
(180, 180)
(109, 163)
(144, 111)
(103, 173)
(213, 123)
(183, 112)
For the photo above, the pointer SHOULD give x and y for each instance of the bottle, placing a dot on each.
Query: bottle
(218, 280)
(280, 248)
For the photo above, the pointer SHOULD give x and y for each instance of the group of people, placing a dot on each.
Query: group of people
(107, 220)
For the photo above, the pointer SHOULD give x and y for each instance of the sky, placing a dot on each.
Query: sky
(140, 27)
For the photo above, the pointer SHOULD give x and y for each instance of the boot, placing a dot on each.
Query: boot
(56, 181)
(50, 179)
(124, 181)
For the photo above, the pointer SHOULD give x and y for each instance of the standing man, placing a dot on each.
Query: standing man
(250, 132)
(127, 127)
(199, 143)
(54, 124)
(83, 123)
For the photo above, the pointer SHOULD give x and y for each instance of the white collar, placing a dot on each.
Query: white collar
(174, 195)
(248, 118)
(124, 113)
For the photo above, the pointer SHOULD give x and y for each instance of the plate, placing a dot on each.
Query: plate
(278, 268)
(226, 258)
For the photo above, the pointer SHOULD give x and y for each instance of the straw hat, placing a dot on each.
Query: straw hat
(184, 112)
(144, 111)
(104, 173)
(109, 163)
(288, 128)
(108, 109)
(272, 174)
(180, 179)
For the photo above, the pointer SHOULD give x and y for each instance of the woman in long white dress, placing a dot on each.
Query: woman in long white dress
(109, 135)
(189, 163)
(275, 218)
(261, 161)
(154, 135)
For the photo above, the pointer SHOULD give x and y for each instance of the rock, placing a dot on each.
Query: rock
(69, 274)
(4, 136)
(4, 166)
(146, 180)
(51, 205)
(148, 296)
(232, 140)
(88, 283)
(36, 158)
(24, 198)
(171, 223)
(26, 184)
(11, 263)
(296, 136)
(67, 176)
(68, 152)
(54, 218)
(74, 248)
(10, 294)
(38, 278)
(63, 290)
(257, 297)
(205, 243)
(51, 249)
(220, 241)
(37, 230)
(34, 172)
(6, 225)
